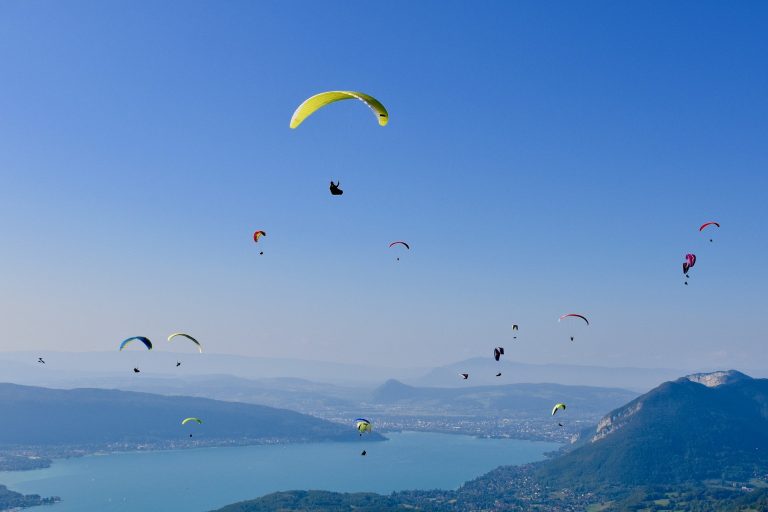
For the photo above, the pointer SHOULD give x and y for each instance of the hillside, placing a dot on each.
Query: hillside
(96, 417)
(681, 431)
(10, 500)
(319, 500)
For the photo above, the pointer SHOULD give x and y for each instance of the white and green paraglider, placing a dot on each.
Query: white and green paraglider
(318, 101)
(190, 338)
(558, 407)
(191, 420)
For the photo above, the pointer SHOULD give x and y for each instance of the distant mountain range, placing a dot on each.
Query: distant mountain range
(72, 369)
(42, 417)
(392, 397)
(699, 443)
(513, 400)
(482, 372)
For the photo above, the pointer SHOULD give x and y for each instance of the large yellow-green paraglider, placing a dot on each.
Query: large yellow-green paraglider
(190, 338)
(187, 420)
(558, 407)
(318, 101)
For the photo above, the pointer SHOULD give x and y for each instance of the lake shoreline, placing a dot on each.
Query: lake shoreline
(410, 460)
(31, 458)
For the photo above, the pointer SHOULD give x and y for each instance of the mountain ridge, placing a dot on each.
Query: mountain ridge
(56, 417)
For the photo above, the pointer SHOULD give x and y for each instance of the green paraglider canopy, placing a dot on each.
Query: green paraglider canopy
(318, 101)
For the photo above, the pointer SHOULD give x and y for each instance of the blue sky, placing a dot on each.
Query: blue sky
(540, 159)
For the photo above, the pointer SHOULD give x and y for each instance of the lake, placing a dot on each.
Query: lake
(198, 480)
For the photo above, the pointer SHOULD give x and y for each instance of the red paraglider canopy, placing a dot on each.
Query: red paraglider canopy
(576, 315)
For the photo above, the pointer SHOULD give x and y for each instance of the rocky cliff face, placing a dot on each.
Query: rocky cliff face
(615, 420)
(715, 379)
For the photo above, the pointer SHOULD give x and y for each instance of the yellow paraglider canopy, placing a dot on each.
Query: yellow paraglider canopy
(363, 425)
(318, 101)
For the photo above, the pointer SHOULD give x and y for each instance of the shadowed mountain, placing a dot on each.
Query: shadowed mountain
(697, 427)
(51, 417)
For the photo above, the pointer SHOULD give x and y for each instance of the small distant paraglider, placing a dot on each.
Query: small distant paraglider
(335, 190)
(399, 242)
(498, 374)
(256, 236)
(188, 420)
(707, 224)
(498, 352)
(574, 315)
(558, 407)
(690, 261)
(363, 425)
(190, 338)
(40, 360)
(318, 101)
(514, 329)
(464, 376)
(143, 339)
(178, 363)
(140, 339)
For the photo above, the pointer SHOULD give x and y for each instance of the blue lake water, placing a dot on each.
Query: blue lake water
(203, 479)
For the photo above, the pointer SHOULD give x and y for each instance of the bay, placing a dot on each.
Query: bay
(198, 480)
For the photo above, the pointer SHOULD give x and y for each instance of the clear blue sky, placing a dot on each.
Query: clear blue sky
(541, 158)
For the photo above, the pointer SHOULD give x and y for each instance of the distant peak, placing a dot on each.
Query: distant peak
(393, 390)
(394, 384)
(715, 379)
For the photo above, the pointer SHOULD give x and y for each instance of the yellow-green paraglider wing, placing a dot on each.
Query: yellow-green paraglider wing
(318, 101)
(187, 420)
(190, 338)
(558, 407)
